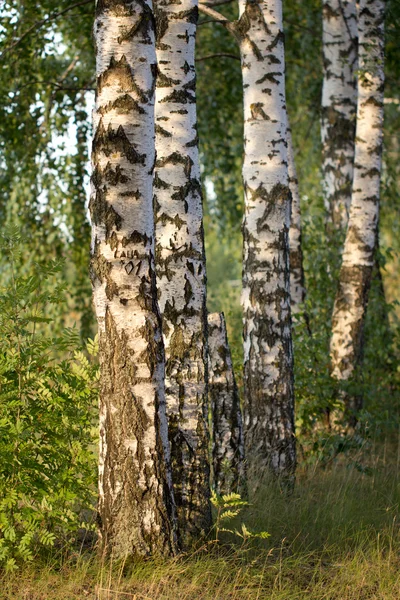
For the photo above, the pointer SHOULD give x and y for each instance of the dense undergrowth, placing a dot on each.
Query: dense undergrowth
(48, 395)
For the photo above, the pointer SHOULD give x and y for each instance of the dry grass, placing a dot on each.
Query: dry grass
(336, 538)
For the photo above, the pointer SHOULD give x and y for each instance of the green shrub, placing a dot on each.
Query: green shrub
(48, 393)
(377, 379)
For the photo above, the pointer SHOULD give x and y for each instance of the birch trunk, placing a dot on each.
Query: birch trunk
(362, 234)
(180, 263)
(135, 491)
(228, 440)
(339, 106)
(268, 356)
(297, 289)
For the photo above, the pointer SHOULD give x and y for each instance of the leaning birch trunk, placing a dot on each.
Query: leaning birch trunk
(362, 234)
(228, 440)
(339, 106)
(180, 264)
(297, 289)
(135, 491)
(268, 356)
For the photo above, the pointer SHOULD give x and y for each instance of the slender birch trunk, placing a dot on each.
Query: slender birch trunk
(135, 488)
(228, 439)
(297, 289)
(268, 355)
(362, 234)
(339, 106)
(180, 263)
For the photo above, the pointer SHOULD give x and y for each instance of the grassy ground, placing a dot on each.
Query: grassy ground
(336, 538)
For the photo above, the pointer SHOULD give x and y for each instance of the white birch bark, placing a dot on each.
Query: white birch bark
(297, 289)
(268, 356)
(339, 105)
(362, 233)
(228, 439)
(135, 489)
(180, 263)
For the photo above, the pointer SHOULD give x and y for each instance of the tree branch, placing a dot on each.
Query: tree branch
(217, 2)
(58, 86)
(217, 55)
(207, 21)
(296, 25)
(42, 22)
(353, 42)
(218, 17)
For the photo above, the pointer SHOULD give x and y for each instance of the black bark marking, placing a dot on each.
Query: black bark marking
(144, 26)
(269, 77)
(123, 105)
(193, 143)
(279, 38)
(114, 176)
(110, 142)
(175, 158)
(257, 112)
(158, 183)
(118, 8)
(120, 70)
(182, 96)
(163, 132)
(256, 51)
(103, 213)
(164, 81)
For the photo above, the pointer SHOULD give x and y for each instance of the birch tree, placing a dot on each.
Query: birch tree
(268, 355)
(297, 289)
(135, 492)
(362, 233)
(339, 105)
(296, 255)
(180, 263)
(228, 439)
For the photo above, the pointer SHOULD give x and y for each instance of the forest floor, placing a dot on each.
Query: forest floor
(336, 537)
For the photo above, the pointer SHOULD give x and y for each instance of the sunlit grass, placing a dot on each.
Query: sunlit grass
(335, 538)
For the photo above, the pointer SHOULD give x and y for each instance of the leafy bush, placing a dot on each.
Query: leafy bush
(48, 392)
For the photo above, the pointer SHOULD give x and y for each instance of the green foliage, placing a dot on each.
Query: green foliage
(220, 115)
(228, 507)
(46, 65)
(376, 382)
(224, 281)
(48, 392)
(316, 391)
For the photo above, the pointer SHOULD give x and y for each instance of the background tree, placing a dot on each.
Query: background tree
(228, 458)
(297, 289)
(362, 233)
(339, 105)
